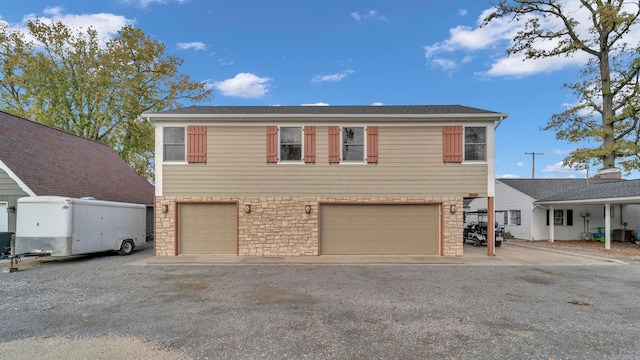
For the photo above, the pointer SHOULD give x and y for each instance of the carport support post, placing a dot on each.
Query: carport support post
(552, 228)
(607, 226)
(491, 229)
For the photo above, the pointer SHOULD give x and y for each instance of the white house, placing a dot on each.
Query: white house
(569, 209)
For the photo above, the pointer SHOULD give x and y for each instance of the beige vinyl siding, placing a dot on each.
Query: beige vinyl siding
(9, 187)
(409, 163)
(10, 192)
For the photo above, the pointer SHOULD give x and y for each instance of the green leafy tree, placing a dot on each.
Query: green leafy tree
(606, 114)
(75, 81)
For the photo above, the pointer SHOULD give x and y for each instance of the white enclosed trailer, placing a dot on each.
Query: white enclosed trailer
(62, 226)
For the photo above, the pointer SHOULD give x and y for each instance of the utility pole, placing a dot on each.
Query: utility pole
(533, 163)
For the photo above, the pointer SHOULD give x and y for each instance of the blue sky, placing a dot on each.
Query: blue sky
(349, 52)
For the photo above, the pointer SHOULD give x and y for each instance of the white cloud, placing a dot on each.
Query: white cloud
(559, 168)
(520, 164)
(517, 66)
(106, 24)
(368, 15)
(561, 151)
(146, 3)
(463, 12)
(377, 103)
(332, 77)
(195, 45)
(225, 62)
(508, 176)
(444, 64)
(316, 104)
(494, 38)
(244, 85)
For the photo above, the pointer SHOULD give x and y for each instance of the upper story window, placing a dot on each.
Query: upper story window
(290, 144)
(174, 144)
(475, 143)
(460, 143)
(353, 144)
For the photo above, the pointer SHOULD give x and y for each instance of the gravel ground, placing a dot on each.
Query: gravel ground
(98, 307)
(625, 251)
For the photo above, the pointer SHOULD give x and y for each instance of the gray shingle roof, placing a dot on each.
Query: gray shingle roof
(600, 190)
(53, 162)
(332, 110)
(543, 190)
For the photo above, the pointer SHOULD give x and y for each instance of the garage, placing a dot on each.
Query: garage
(208, 229)
(380, 229)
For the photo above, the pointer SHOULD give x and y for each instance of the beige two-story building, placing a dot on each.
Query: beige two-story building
(314, 180)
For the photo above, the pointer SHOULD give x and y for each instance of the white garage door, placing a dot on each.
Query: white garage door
(208, 229)
(380, 229)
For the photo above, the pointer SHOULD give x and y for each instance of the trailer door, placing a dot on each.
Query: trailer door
(87, 229)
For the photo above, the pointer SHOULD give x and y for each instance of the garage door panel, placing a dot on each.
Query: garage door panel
(380, 229)
(208, 229)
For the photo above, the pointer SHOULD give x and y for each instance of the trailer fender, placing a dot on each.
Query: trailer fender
(118, 243)
(126, 247)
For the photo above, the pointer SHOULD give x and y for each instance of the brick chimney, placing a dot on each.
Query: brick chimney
(608, 173)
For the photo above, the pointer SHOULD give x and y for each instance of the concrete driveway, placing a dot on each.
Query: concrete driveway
(509, 254)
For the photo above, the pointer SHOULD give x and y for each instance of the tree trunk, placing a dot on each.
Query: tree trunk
(609, 158)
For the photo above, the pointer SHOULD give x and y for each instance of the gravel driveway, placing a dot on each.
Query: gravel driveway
(99, 307)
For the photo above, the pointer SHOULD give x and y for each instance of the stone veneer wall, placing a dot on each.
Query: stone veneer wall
(279, 225)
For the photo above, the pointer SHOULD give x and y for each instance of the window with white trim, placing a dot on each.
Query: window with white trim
(174, 144)
(352, 144)
(475, 143)
(291, 144)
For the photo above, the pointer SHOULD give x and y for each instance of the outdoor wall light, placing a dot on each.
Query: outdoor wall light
(307, 209)
(165, 208)
(11, 209)
(453, 208)
(247, 208)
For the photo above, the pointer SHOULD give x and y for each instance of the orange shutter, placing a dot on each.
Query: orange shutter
(452, 144)
(272, 144)
(196, 144)
(310, 144)
(372, 144)
(334, 144)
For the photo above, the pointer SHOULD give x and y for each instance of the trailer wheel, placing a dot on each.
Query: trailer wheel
(477, 241)
(126, 248)
(498, 243)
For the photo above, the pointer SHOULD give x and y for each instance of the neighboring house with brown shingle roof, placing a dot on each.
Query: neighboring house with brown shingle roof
(319, 180)
(37, 160)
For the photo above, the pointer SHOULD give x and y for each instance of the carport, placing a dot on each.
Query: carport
(606, 194)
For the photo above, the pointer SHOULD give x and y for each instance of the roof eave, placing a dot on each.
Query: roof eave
(154, 117)
(620, 200)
